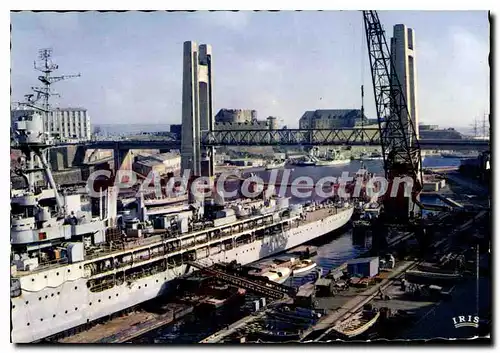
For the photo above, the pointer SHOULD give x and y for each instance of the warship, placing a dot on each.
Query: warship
(72, 265)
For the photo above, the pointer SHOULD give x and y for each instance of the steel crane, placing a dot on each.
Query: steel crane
(400, 146)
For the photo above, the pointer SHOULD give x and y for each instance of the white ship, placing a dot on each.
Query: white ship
(458, 155)
(75, 282)
(328, 162)
(374, 156)
(330, 158)
(71, 266)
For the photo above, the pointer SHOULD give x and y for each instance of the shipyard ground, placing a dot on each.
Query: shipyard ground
(346, 303)
(130, 326)
(432, 316)
(435, 317)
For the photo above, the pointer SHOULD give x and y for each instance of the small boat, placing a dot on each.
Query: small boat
(220, 296)
(296, 265)
(372, 157)
(434, 269)
(275, 165)
(328, 162)
(418, 276)
(305, 163)
(279, 336)
(457, 155)
(302, 266)
(357, 324)
(278, 274)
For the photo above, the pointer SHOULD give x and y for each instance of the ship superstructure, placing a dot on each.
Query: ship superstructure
(71, 266)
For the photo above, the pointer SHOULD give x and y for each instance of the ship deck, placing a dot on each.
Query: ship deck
(111, 249)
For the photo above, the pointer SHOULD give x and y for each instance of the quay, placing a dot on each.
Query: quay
(133, 325)
(219, 336)
(351, 303)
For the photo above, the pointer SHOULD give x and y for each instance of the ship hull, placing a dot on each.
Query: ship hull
(332, 163)
(65, 302)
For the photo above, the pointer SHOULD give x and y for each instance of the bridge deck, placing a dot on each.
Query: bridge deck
(284, 137)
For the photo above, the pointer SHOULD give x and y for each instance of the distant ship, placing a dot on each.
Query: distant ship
(372, 157)
(330, 158)
(305, 162)
(457, 155)
(328, 162)
(275, 165)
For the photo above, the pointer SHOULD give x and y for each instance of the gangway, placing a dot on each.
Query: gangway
(268, 289)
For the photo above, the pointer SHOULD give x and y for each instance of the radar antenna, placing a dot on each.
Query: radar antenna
(32, 140)
(43, 94)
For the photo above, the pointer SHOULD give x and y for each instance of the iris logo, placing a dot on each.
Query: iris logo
(463, 321)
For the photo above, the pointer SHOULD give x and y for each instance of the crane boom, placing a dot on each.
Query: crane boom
(400, 147)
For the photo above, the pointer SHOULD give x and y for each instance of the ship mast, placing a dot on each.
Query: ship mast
(33, 133)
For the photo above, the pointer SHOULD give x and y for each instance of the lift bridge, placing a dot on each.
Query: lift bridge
(263, 137)
(266, 288)
(323, 137)
(282, 137)
(303, 137)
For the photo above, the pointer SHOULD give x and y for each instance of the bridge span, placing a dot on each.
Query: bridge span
(284, 137)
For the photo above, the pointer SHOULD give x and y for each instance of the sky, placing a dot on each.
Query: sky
(278, 63)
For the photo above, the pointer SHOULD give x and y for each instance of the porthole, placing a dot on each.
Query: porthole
(69, 270)
(57, 273)
(52, 295)
(27, 302)
(76, 287)
(146, 285)
(90, 303)
(46, 296)
(116, 294)
(65, 311)
(110, 297)
(58, 293)
(45, 276)
(80, 267)
(13, 306)
(28, 324)
(165, 279)
(76, 309)
(156, 281)
(99, 300)
(32, 280)
(39, 298)
(41, 319)
(54, 315)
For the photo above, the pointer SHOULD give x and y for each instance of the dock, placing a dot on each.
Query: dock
(219, 336)
(349, 307)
